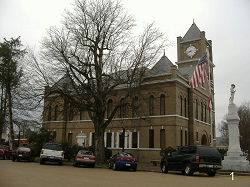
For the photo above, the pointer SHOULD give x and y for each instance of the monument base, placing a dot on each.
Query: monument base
(235, 163)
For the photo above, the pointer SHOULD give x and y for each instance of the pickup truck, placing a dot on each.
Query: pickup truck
(52, 152)
(192, 158)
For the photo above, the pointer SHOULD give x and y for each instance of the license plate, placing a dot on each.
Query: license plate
(210, 166)
(51, 157)
(20, 155)
(128, 164)
(86, 158)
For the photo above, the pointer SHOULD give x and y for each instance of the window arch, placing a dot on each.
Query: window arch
(162, 104)
(151, 105)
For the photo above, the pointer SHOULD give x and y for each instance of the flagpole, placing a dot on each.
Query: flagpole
(211, 110)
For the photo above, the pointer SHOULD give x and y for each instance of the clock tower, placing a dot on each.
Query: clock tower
(190, 49)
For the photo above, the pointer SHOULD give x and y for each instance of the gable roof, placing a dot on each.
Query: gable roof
(163, 66)
(193, 33)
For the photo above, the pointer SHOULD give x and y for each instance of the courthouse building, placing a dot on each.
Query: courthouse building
(171, 113)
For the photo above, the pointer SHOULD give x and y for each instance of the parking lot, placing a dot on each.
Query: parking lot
(33, 174)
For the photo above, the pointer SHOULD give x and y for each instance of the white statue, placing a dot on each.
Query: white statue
(231, 99)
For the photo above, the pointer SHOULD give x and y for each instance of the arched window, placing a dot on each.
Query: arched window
(205, 116)
(56, 113)
(162, 104)
(151, 105)
(196, 109)
(123, 108)
(185, 106)
(201, 111)
(49, 113)
(180, 105)
(135, 104)
(109, 107)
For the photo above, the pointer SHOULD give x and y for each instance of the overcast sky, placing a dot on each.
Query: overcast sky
(226, 23)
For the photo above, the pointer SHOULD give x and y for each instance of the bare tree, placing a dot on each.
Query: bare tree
(96, 49)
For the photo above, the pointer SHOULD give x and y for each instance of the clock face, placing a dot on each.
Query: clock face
(191, 51)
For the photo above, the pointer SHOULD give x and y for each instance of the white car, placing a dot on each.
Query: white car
(52, 152)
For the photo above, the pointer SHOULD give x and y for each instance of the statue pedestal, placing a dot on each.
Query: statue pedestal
(234, 160)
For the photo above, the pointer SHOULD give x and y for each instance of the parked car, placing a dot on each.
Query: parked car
(123, 160)
(52, 152)
(84, 157)
(23, 153)
(190, 159)
(5, 152)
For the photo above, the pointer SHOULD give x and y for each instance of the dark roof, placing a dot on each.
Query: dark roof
(64, 81)
(163, 66)
(193, 33)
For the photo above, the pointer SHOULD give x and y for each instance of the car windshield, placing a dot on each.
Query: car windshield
(23, 149)
(127, 155)
(56, 147)
(85, 153)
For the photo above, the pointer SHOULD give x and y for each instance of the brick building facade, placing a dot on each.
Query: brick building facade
(169, 112)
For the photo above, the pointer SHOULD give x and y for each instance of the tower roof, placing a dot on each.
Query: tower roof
(193, 33)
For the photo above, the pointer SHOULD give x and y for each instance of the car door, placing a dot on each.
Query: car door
(175, 161)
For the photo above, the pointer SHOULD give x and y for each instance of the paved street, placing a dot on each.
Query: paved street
(26, 174)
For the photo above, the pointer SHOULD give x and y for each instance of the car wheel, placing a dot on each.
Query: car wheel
(3, 157)
(60, 163)
(110, 166)
(164, 168)
(13, 159)
(211, 173)
(75, 164)
(41, 161)
(93, 166)
(18, 160)
(188, 170)
(134, 169)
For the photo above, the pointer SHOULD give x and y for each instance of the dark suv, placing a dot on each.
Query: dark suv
(190, 159)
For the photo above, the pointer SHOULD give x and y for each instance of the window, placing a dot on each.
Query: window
(49, 113)
(162, 138)
(205, 116)
(151, 138)
(109, 136)
(123, 108)
(71, 112)
(110, 107)
(181, 105)
(151, 105)
(201, 111)
(185, 106)
(135, 103)
(196, 109)
(56, 113)
(81, 115)
(197, 136)
(162, 104)
(121, 140)
(134, 140)
(70, 138)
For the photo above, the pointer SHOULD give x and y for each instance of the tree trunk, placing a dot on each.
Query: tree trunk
(11, 129)
(99, 146)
